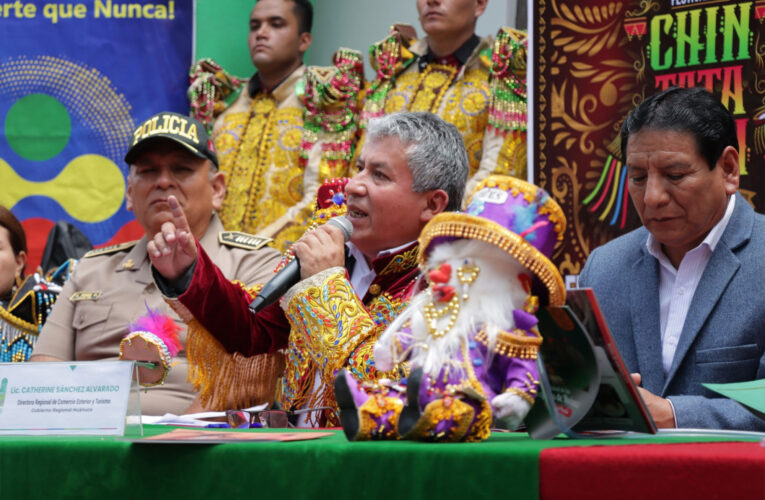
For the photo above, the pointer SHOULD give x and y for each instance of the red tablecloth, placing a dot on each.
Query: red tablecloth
(672, 471)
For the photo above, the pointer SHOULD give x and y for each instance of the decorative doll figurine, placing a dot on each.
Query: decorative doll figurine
(469, 340)
(153, 339)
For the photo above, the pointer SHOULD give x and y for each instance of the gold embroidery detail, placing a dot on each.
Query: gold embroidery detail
(523, 394)
(259, 152)
(80, 296)
(439, 410)
(482, 425)
(110, 249)
(462, 100)
(375, 407)
(430, 87)
(515, 344)
(512, 156)
(331, 321)
(402, 262)
(466, 107)
(331, 328)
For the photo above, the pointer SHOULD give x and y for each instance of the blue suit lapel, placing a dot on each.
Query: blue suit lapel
(644, 308)
(722, 266)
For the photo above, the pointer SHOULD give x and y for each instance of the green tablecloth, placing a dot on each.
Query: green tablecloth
(330, 467)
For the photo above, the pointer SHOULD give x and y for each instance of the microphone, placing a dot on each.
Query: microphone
(290, 274)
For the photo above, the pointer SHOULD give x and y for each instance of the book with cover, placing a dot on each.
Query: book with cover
(582, 371)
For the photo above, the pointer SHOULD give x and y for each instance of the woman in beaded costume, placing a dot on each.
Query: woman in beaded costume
(24, 303)
(470, 338)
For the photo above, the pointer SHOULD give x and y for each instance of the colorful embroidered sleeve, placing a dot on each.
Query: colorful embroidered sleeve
(504, 141)
(335, 326)
(361, 362)
(388, 57)
(329, 318)
(331, 100)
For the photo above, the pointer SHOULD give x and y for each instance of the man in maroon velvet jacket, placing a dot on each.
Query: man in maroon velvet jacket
(412, 167)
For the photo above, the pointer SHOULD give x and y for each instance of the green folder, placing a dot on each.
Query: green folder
(749, 394)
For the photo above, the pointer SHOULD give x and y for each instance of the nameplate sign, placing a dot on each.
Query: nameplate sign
(64, 398)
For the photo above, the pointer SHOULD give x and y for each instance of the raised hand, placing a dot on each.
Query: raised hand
(173, 249)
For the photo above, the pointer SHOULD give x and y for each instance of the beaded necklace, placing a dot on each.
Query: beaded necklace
(466, 275)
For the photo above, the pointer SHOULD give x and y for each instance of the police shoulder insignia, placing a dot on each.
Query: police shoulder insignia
(79, 296)
(110, 249)
(243, 240)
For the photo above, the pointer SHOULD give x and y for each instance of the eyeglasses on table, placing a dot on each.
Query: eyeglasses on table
(270, 419)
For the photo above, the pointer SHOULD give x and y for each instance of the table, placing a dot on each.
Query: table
(508, 465)
(676, 471)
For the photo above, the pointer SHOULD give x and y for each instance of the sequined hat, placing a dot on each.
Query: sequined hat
(518, 217)
(180, 129)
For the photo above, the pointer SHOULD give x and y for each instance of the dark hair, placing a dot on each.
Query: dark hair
(12, 224)
(304, 12)
(694, 111)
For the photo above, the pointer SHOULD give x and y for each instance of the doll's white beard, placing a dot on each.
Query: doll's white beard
(492, 297)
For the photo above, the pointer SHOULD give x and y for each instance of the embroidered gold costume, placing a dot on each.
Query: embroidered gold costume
(324, 326)
(272, 167)
(321, 324)
(332, 328)
(480, 89)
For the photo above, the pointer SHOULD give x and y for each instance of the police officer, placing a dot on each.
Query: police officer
(170, 154)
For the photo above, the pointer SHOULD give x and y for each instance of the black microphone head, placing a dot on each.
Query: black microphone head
(341, 222)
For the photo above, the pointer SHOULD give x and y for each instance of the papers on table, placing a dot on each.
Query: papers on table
(207, 436)
(192, 419)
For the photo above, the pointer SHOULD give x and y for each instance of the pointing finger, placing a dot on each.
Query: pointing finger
(179, 218)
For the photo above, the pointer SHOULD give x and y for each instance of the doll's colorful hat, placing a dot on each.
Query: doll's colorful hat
(518, 217)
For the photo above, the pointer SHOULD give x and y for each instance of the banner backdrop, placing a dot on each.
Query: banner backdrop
(595, 60)
(75, 78)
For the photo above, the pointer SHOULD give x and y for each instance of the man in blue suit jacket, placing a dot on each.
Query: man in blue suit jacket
(683, 294)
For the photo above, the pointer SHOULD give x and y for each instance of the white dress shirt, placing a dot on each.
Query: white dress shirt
(677, 286)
